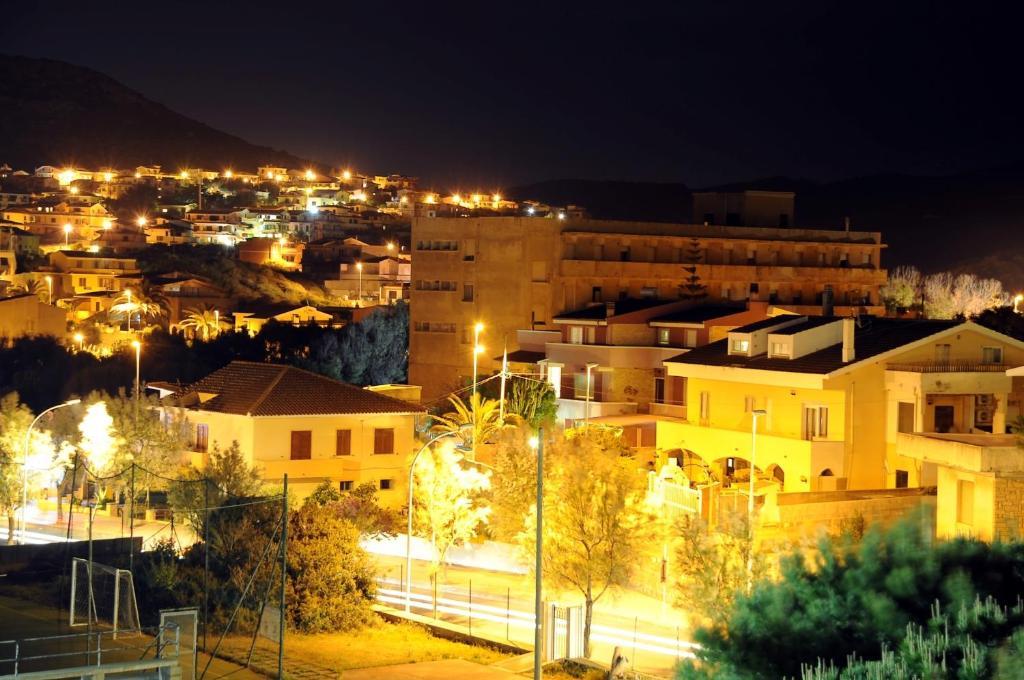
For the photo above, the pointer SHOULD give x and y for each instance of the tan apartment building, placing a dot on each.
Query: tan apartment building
(511, 273)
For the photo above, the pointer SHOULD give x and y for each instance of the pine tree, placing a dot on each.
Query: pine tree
(692, 288)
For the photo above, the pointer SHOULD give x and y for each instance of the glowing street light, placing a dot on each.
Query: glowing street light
(73, 190)
(184, 174)
(390, 245)
(24, 466)
(49, 288)
(359, 268)
(228, 174)
(310, 175)
(346, 175)
(430, 198)
(138, 355)
(80, 339)
(107, 224)
(1017, 299)
(108, 177)
(456, 199)
(270, 175)
(141, 220)
(67, 234)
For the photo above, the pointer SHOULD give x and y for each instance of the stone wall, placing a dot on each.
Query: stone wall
(1009, 508)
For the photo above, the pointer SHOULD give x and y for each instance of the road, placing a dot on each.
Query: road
(653, 635)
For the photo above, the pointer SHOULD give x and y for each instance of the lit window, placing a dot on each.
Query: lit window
(664, 336)
(741, 346)
(991, 355)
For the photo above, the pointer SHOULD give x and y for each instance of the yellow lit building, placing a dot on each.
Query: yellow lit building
(252, 318)
(315, 429)
(836, 399)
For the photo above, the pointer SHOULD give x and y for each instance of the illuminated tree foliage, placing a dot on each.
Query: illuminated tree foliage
(595, 525)
(853, 599)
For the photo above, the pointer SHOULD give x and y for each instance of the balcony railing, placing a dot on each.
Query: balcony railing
(948, 367)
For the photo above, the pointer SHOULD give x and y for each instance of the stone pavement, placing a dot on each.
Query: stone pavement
(447, 669)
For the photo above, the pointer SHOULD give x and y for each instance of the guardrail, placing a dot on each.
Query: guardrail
(947, 367)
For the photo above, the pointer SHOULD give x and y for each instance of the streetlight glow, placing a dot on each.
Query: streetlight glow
(310, 175)
(67, 234)
(80, 339)
(24, 468)
(138, 355)
(141, 220)
(49, 287)
(228, 174)
(347, 175)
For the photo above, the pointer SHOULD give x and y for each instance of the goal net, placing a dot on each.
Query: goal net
(103, 595)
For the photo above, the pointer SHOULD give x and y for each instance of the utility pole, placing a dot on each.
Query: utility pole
(504, 375)
(284, 577)
(538, 604)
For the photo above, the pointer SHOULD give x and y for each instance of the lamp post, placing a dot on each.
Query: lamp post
(128, 294)
(477, 349)
(138, 355)
(24, 467)
(80, 339)
(49, 289)
(538, 604)
(756, 413)
(67, 235)
(408, 534)
(216, 322)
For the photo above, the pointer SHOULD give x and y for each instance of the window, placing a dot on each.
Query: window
(902, 479)
(815, 422)
(345, 485)
(659, 386)
(595, 294)
(664, 336)
(385, 485)
(384, 440)
(648, 292)
(705, 407)
(780, 349)
(690, 337)
(576, 335)
(469, 250)
(343, 443)
(302, 444)
(555, 379)
(942, 354)
(591, 335)
(202, 438)
(582, 387)
(740, 346)
(991, 355)
(965, 502)
(749, 404)
(755, 288)
(905, 420)
(467, 292)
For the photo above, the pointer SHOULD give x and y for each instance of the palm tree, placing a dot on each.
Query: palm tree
(205, 323)
(143, 303)
(482, 415)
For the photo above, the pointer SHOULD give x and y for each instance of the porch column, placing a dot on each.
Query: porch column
(999, 416)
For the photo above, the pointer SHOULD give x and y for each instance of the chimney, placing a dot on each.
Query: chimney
(826, 301)
(609, 308)
(849, 326)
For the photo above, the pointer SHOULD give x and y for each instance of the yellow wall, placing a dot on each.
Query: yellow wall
(946, 524)
(266, 442)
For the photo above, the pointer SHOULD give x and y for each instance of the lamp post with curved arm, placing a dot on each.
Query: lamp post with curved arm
(24, 466)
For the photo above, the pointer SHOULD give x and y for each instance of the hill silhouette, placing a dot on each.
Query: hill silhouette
(56, 113)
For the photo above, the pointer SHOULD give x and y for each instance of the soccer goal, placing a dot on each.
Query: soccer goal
(103, 595)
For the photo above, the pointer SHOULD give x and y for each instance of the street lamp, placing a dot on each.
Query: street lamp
(756, 413)
(128, 294)
(141, 221)
(49, 288)
(408, 534)
(478, 327)
(216, 322)
(138, 355)
(67, 234)
(359, 268)
(24, 467)
(80, 339)
(537, 443)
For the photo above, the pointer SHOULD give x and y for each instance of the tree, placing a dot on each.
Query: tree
(849, 599)
(152, 437)
(330, 584)
(713, 565)
(692, 288)
(449, 499)
(101, 447)
(594, 522)
(532, 400)
(474, 423)
(514, 483)
(204, 323)
(143, 303)
(947, 296)
(43, 464)
(359, 507)
(902, 290)
(227, 475)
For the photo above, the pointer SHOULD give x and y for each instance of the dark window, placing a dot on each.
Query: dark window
(595, 294)
(467, 292)
(902, 479)
(384, 440)
(624, 255)
(385, 484)
(345, 485)
(709, 218)
(733, 219)
(343, 443)
(202, 438)
(783, 220)
(754, 288)
(302, 445)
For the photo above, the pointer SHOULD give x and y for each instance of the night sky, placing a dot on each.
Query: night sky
(497, 94)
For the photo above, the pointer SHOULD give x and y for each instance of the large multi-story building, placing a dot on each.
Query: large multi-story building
(511, 273)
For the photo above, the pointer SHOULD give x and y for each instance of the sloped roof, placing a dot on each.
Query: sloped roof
(600, 311)
(258, 389)
(873, 337)
(699, 314)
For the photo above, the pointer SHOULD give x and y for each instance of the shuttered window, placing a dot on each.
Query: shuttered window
(384, 440)
(302, 444)
(343, 443)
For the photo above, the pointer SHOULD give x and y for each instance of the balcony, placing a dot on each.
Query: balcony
(668, 410)
(948, 367)
(985, 453)
(576, 409)
(610, 356)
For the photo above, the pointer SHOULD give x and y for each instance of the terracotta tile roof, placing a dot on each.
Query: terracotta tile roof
(253, 388)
